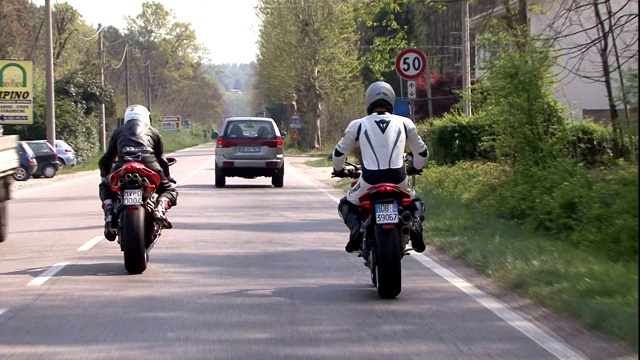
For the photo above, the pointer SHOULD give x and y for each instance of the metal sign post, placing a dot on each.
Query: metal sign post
(411, 63)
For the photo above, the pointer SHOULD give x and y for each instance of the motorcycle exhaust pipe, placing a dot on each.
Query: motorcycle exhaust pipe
(406, 217)
(405, 231)
(135, 176)
(128, 177)
(120, 181)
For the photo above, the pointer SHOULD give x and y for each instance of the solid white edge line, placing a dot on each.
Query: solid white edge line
(42, 278)
(546, 341)
(539, 336)
(2, 310)
(91, 243)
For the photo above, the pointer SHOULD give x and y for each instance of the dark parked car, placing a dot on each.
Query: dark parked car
(47, 158)
(28, 163)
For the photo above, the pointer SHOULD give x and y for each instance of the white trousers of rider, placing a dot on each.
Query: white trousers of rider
(361, 187)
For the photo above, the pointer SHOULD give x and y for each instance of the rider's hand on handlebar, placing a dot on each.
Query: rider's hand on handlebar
(171, 179)
(413, 171)
(345, 173)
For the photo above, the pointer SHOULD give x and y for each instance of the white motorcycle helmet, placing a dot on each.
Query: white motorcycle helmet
(379, 94)
(137, 112)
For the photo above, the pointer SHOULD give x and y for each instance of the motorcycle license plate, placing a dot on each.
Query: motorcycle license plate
(132, 197)
(387, 213)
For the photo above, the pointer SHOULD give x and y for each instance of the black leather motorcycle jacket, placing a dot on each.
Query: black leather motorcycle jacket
(134, 141)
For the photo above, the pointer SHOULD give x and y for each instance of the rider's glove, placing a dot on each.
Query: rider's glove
(343, 173)
(413, 171)
(172, 180)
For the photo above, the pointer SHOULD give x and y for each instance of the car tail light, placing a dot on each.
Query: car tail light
(272, 164)
(274, 143)
(279, 139)
(227, 164)
(68, 150)
(220, 142)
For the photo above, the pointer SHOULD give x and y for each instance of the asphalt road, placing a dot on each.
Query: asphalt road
(248, 272)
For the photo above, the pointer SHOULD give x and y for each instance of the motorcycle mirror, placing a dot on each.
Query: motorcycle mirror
(214, 135)
(171, 161)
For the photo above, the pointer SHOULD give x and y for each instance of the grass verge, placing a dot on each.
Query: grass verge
(172, 142)
(586, 286)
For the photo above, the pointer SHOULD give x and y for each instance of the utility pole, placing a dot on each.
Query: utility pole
(101, 110)
(126, 72)
(466, 61)
(149, 84)
(50, 107)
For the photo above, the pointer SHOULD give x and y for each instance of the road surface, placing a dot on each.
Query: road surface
(248, 272)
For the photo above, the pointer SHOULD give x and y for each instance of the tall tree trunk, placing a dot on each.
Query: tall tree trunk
(604, 57)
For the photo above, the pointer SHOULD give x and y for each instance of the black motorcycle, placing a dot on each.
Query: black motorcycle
(137, 228)
(386, 225)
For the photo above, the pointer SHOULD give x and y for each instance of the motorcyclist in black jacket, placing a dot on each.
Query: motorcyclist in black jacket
(137, 141)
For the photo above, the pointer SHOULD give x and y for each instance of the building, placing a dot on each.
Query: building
(577, 34)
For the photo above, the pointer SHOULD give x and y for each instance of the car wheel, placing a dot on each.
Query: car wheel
(62, 163)
(220, 180)
(278, 180)
(21, 174)
(49, 171)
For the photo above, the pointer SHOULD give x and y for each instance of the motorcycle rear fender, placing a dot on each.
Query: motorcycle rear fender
(133, 167)
(385, 191)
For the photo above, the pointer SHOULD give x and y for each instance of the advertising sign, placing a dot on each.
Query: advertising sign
(16, 92)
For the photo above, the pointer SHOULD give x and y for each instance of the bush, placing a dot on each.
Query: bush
(454, 137)
(590, 143)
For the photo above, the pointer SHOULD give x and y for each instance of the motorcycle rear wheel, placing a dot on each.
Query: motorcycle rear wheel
(388, 263)
(133, 240)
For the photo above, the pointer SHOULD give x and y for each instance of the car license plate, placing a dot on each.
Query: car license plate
(248, 149)
(132, 197)
(386, 213)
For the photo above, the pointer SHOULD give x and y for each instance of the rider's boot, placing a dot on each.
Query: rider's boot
(161, 212)
(349, 213)
(110, 233)
(416, 236)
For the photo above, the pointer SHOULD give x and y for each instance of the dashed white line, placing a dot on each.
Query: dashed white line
(91, 243)
(186, 178)
(545, 339)
(42, 278)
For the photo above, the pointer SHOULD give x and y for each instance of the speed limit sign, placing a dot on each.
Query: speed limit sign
(411, 63)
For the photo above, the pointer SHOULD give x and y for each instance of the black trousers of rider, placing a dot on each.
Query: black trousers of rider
(165, 188)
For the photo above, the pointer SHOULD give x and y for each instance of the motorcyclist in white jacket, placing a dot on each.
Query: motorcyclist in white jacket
(382, 137)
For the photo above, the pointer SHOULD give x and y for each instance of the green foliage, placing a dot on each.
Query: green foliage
(75, 128)
(595, 210)
(454, 137)
(590, 143)
(519, 102)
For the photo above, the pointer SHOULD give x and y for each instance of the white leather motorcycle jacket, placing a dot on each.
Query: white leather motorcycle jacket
(383, 138)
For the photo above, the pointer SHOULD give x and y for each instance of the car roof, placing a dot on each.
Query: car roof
(248, 118)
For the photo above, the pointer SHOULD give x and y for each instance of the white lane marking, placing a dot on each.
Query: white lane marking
(42, 278)
(186, 178)
(91, 243)
(539, 336)
(2, 310)
(542, 338)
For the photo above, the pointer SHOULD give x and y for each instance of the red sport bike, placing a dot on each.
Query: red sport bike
(386, 233)
(137, 228)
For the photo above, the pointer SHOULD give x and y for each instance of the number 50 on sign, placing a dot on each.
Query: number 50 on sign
(411, 63)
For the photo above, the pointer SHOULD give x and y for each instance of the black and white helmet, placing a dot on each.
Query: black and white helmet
(379, 94)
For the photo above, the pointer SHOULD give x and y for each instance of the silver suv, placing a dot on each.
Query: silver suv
(249, 147)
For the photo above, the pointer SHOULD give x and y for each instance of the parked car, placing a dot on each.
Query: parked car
(249, 147)
(66, 154)
(46, 157)
(28, 163)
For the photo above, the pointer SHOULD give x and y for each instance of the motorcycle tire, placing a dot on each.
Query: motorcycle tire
(388, 263)
(133, 240)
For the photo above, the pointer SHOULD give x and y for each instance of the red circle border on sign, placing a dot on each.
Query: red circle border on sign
(420, 55)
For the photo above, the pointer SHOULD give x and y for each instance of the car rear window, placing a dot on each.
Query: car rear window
(40, 148)
(249, 130)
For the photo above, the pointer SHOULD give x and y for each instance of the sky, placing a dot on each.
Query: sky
(228, 28)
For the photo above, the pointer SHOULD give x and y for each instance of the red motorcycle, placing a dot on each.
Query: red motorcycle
(137, 228)
(386, 233)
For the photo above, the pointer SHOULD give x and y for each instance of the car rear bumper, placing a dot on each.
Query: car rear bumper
(250, 168)
(69, 160)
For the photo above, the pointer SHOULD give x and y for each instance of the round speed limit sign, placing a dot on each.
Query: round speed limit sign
(411, 63)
